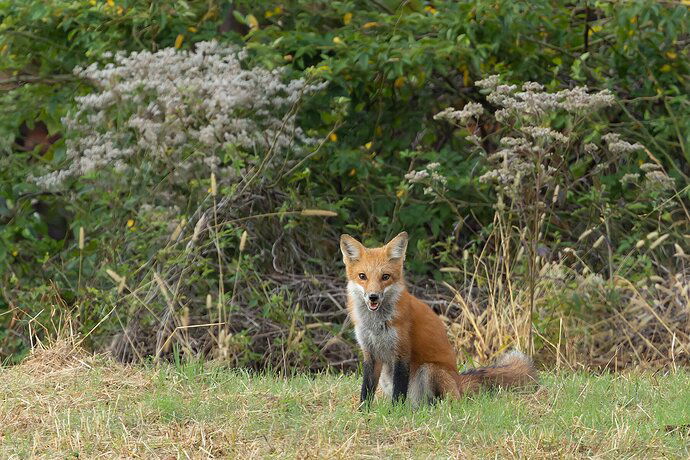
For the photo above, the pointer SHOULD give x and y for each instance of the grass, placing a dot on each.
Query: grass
(60, 403)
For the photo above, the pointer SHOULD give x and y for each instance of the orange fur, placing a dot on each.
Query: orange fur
(402, 333)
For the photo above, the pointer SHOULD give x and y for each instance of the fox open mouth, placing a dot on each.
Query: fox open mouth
(373, 306)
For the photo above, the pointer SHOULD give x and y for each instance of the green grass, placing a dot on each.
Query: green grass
(88, 407)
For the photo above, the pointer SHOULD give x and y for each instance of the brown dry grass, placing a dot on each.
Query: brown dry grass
(63, 402)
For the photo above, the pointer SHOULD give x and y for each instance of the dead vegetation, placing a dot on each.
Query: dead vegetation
(65, 402)
(278, 302)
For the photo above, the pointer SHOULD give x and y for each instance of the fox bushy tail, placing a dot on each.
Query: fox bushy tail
(513, 369)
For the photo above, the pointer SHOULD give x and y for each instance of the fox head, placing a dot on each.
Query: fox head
(375, 275)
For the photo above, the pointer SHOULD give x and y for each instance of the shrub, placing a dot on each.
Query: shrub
(539, 136)
(391, 68)
(199, 111)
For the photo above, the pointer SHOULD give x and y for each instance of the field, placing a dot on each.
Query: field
(62, 403)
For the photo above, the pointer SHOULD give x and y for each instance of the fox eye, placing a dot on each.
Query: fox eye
(386, 277)
(362, 276)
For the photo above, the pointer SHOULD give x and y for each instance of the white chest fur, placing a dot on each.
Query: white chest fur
(372, 329)
(378, 339)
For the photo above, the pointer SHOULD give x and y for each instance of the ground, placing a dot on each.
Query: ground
(65, 403)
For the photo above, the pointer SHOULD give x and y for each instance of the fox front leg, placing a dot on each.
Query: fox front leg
(372, 372)
(401, 380)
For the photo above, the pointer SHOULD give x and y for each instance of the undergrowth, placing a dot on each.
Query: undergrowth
(179, 176)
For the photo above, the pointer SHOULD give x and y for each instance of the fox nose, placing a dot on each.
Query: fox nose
(374, 297)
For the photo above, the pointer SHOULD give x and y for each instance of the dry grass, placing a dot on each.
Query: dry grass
(580, 319)
(62, 402)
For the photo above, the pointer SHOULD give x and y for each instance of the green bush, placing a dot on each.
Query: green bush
(391, 67)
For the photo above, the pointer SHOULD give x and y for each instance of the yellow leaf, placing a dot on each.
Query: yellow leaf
(430, 9)
(252, 21)
(633, 20)
(400, 193)
(321, 70)
(278, 10)
(369, 25)
(110, 2)
(352, 172)
(368, 145)
(92, 2)
(120, 10)
(178, 41)
(671, 55)
(347, 18)
(466, 77)
(333, 137)
(192, 29)
(665, 68)
(288, 57)
(399, 82)
(378, 131)
(15, 253)
(337, 40)
(268, 14)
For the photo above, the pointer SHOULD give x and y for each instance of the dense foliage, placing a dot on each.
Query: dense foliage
(189, 229)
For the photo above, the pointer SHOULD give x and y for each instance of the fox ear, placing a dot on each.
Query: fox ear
(397, 246)
(350, 247)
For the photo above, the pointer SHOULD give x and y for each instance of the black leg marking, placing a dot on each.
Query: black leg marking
(401, 380)
(369, 382)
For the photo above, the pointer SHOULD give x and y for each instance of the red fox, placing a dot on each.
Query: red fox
(404, 343)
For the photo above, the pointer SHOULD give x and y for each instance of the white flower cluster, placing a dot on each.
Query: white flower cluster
(647, 167)
(532, 101)
(630, 178)
(489, 82)
(180, 111)
(529, 152)
(546, 134)
(471, 110)
(617, 145)
(655, 179)
(591, 148)
(658, 181)
(429, 176)
(416, 176)
(511, 166)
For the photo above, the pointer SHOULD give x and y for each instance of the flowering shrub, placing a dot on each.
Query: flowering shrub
(530, 165)
(138, 148)
(532, 152)
(181, 113)
(533, 155)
